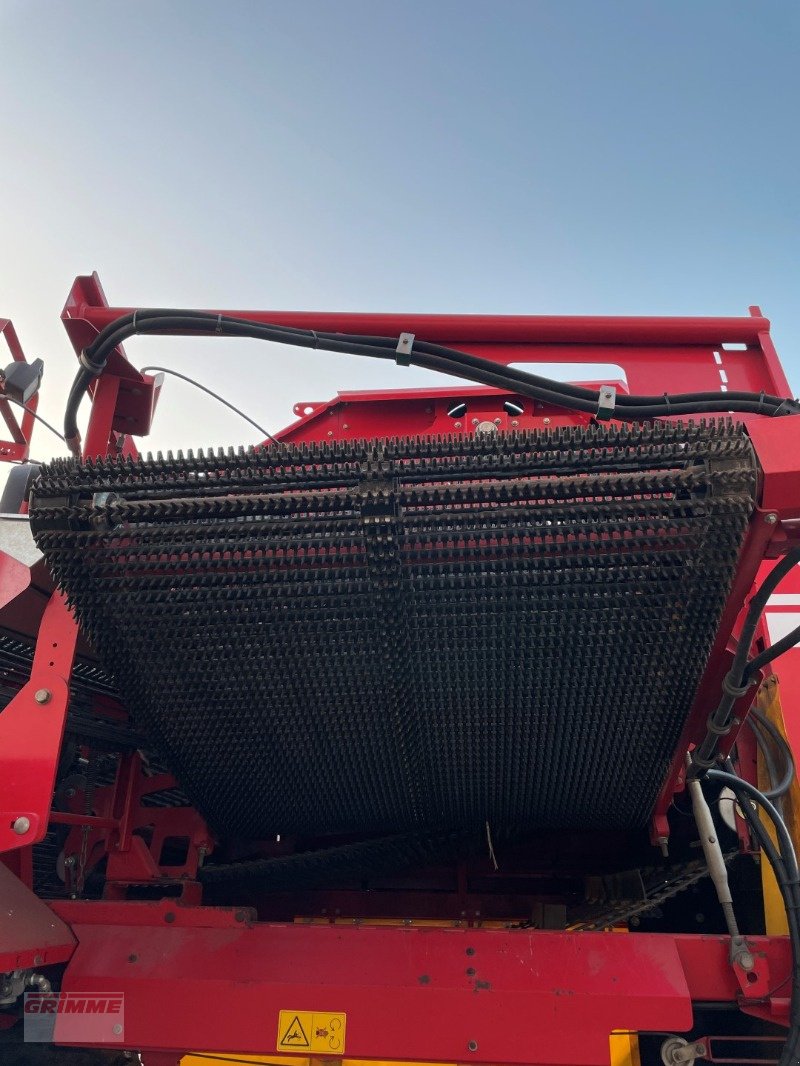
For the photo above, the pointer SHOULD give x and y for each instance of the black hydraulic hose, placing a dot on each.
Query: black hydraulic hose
(79, 386)
(768, 755)
(786, 643)
(140, 321)
(735, 683)
(430, 356)
(765, 730)
(784, 839)
(790, 894)
(788, 885)
(122, 328)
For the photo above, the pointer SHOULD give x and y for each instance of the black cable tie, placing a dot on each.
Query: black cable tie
(313, 333)
(88, 364)
(717, 730)
(733, 690)
(761, 396)
(219, 324)
(666, 401)
(135, 313)
(700, 763)
(606, 402)
(403, 350)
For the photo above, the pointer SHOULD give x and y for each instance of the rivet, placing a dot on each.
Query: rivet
(21, 825)
(546, 421)
(770, 519)
(42, 695)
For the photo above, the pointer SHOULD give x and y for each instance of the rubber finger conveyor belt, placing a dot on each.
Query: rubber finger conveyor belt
(382, 636)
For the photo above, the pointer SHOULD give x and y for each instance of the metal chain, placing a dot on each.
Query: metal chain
(683, 877)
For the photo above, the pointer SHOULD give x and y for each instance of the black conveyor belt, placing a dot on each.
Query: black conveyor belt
(384, 636)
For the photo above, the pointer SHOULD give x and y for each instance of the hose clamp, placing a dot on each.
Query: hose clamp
(404, 346)
(735, 691)
(87, 364)
(717, 730)
(606, 402)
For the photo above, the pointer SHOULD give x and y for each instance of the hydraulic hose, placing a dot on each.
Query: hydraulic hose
(429, 356)
(784, 864)
(765, 731)
(736, 682)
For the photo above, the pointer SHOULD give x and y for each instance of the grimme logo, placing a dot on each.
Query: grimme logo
(74, 1017)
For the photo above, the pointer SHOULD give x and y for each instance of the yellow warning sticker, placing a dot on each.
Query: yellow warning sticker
(315, 1031)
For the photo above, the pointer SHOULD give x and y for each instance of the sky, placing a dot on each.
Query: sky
(505, 157)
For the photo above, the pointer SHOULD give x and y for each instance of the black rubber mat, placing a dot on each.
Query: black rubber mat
(378, 637)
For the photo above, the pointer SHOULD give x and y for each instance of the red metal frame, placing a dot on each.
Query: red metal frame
(461, 995)
(18, 448)
(452, 995)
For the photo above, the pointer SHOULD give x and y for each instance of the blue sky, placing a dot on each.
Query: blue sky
(536, 157)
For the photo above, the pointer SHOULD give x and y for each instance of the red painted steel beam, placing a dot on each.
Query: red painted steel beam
(31, 730)
(658, 354)
(449, 995)
(18, 448)
(86, 311)
(408, 993)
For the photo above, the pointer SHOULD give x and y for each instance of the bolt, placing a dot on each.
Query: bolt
(37, 960)
(770, 519)
(470, 951)
(497, 421)
(746, 960)
(472, 1045)
(345, 425)
(70, 860)
(330, 432)
(700, 1049)
(546, 421)
(117, 1029)
(21, 825)
(515, 423)
(169, 917)
(458, 425)
(42, 695)
(475, 421)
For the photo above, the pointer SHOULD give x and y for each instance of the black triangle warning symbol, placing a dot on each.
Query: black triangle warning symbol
(295, 1035)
